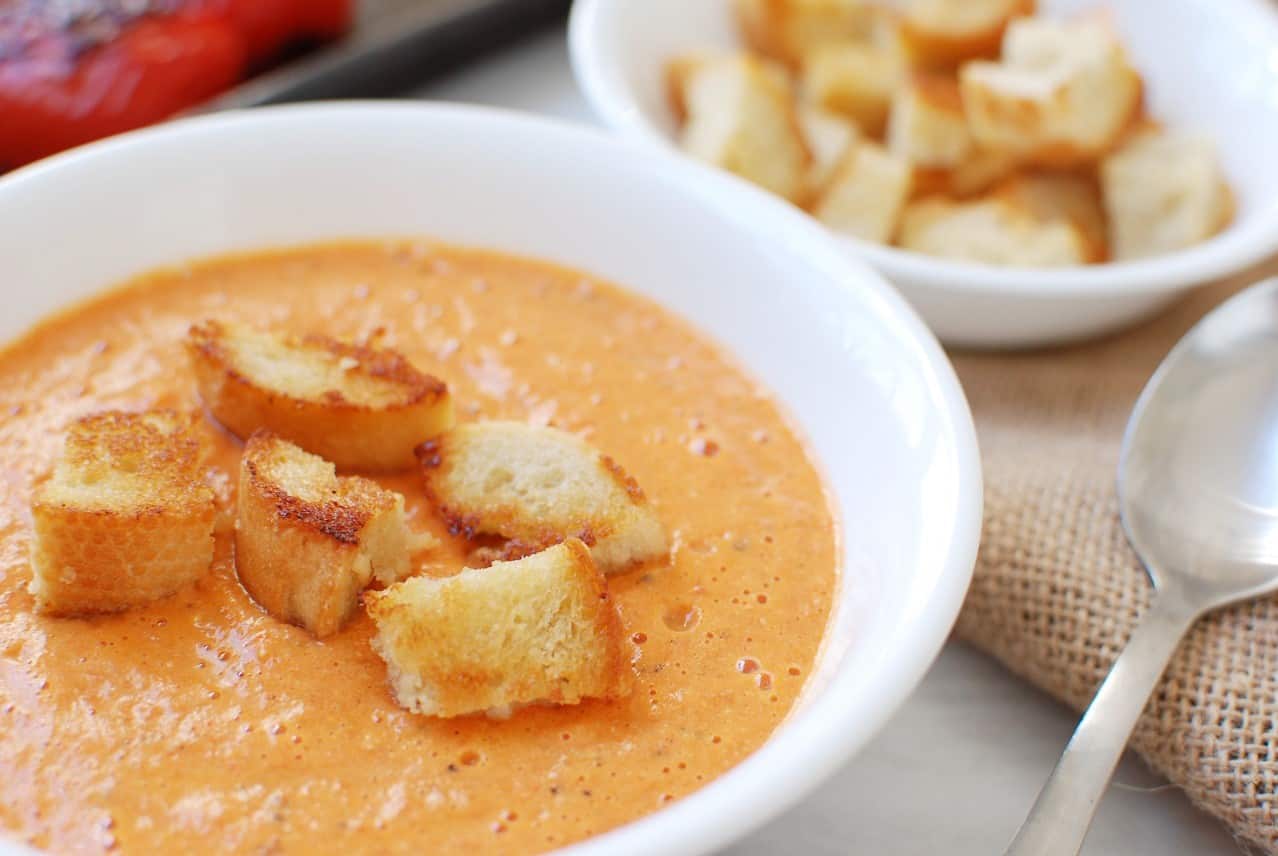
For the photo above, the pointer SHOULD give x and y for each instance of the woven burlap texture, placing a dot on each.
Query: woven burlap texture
(1057, 589)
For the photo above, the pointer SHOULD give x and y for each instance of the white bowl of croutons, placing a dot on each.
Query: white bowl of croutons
(790, 419)
(1024, 175)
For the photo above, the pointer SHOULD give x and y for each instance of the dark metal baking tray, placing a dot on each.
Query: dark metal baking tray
(394, 45)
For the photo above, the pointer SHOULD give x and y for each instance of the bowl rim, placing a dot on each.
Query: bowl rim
(810, 745)
(1246, 243)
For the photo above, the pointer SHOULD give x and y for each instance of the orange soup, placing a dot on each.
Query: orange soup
(201, 724)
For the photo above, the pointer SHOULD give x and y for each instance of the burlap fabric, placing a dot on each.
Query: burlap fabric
(1057, 590)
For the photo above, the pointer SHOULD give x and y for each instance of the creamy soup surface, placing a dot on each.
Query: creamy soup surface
(201, 724)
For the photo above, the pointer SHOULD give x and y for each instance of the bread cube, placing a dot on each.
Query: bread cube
(867, 193)
(785, 30)
(538, 486)
(308, 542)
(926, 125)
(979, 170)
(928, 128)
(126, 517)
(1163, 191)
(741, 117)
(679, 71)
(360, 407)
(990, 231)
(1068, 197)
(1061, 96)
(541, 629)
(944, 33)
(856, 79)
(829, 138)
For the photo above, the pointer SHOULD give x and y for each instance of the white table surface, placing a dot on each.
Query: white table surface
(961, 762)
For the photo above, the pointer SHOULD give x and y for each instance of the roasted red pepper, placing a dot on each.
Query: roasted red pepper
(75, 70)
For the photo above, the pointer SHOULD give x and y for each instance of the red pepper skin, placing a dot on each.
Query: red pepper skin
(56, 93)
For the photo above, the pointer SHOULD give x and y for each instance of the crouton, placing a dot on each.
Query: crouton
(990, 231)
(1061, 96)
(928, 128)
(1163, 191)
(537, 486)
(741, 117)
(829, 138)
(678, 72)
(785, 30)
(980, 170)
(856, 79)
(943, 33)
(867, 193)
(126, 516)
(1071, 197)
(308, 542)
(542, 629)
(926, 125)
(362, 408)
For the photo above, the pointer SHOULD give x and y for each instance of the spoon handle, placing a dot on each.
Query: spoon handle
(1058, 823)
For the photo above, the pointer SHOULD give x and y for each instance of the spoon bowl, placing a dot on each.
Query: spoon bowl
(1198, 495)
(1198, 490)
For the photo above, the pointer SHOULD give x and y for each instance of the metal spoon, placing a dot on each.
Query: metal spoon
(1198, 494)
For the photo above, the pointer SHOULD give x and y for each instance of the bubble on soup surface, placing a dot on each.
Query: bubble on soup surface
(682, 617)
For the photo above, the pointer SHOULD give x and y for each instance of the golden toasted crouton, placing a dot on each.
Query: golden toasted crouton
(126, 517)
(944, 33)
(926, 125)
(676, 75)
(928, 128)
(362, 408)
(1163, 191)
(866, 194)
(678, 72)
(991, 231)
(308, 542)
(1071, 197)
(829, 137)
(741, 117)
(1062, 94)
(538, 486)
(541, 629)
(980, 170)
(856, 79)
(787, 29)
